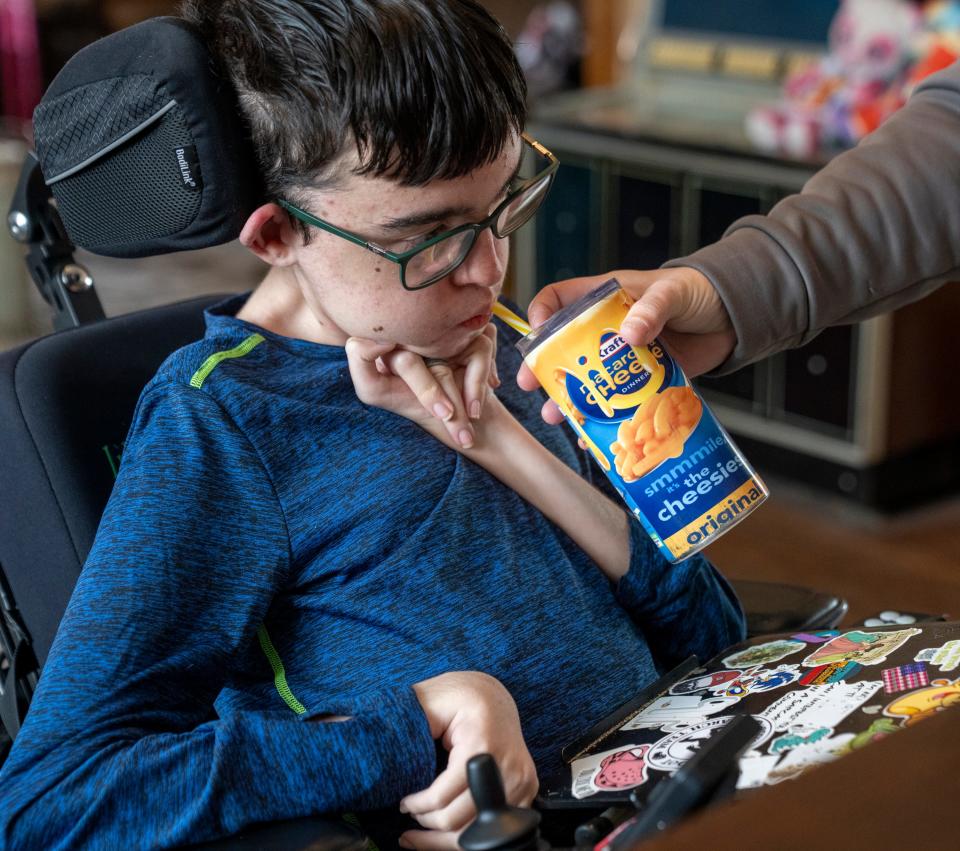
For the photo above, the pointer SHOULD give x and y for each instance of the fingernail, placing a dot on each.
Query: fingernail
(443, 410)
(475, 409)
(465, 438)
(403, 807)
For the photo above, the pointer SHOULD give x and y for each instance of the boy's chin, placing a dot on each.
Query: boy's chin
(447, 349)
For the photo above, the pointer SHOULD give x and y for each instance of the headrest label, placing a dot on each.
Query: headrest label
(189, 167)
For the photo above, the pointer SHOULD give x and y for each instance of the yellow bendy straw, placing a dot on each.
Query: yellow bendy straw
(511, 318)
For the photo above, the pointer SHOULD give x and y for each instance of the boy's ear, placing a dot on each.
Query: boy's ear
(269, 233)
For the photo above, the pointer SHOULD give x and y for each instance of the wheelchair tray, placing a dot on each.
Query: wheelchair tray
(817, 695)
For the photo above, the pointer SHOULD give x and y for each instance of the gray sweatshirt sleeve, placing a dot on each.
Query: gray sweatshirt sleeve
(875, 229)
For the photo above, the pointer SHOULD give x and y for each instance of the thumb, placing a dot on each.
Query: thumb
(659, 303)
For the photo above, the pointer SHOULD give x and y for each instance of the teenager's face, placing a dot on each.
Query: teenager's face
(352, 292)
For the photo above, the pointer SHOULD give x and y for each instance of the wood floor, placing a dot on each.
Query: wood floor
(907, 562)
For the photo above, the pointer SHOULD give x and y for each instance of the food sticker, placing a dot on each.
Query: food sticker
(755, 769)
(905, 677)
(946, 657)
(924, 703)
(818, 706)
(673, 750)
(797, 737)
(703, 683)
(763, 654)
(620, 768)
(678, 709)
(798, 760)
(864, 648)
(833, 673)
(817, 637)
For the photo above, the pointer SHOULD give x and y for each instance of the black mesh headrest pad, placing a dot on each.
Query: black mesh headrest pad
(142, 144)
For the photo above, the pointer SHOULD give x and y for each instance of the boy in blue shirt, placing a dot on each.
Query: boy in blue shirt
(331, 542)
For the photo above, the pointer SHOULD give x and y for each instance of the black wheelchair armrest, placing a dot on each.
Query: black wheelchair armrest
(304, 834)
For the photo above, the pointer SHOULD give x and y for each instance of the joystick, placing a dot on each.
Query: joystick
(498, 826)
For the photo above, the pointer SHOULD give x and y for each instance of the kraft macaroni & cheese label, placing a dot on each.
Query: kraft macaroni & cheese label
(666, 454)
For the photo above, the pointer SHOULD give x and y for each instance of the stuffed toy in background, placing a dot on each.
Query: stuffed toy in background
(837, 100)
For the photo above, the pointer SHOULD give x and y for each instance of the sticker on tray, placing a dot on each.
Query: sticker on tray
(946, 657)
(678, 709)
(621, 768)
(818, 706)
(798, 737)
(924, 703)
(905, 677)
(673, 750)
(763, 654)
(864, 648)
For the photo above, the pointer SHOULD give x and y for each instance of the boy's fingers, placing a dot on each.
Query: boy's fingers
(362, 358)
(476, 374)
(428, 840)
(422, 382)
(436, 389)
(455, 816)
(450, 783)
(493, 379)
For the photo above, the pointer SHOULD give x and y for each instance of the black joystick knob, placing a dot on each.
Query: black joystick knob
(498, 826)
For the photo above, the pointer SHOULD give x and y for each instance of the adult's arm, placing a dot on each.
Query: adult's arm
(876, 228)
(122, 747)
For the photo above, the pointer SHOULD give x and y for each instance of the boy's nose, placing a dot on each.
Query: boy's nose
(485, 264)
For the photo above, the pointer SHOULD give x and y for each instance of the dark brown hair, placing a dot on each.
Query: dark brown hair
(425, 89)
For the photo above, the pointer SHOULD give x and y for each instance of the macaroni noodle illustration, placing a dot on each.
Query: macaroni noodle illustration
(658, 430)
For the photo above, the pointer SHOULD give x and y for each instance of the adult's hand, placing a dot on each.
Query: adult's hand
(678, 305)
(471, 713)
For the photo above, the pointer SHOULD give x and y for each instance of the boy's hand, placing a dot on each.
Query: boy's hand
(679, 305)
(471, 713)
(451, 391)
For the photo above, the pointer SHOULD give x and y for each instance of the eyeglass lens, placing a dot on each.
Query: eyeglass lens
(441, 258)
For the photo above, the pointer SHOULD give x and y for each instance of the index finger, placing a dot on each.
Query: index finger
(446, 787)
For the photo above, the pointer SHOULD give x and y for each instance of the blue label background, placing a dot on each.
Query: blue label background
(603, 431)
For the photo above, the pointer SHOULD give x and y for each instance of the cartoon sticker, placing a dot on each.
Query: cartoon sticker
(905, 677)
(797, 737)
(620, 768)
(763, 654)
(946, 657)
(864, 648)
(924, 703)
(761, 680)
(818, 706)
(673, 750)
(678, 709)
(833, 673)
(705, 682)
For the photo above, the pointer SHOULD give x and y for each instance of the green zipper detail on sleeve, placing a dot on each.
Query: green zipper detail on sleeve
(279, 674)
(211, 363)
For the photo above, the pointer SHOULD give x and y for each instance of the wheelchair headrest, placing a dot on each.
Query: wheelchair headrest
(143, 147)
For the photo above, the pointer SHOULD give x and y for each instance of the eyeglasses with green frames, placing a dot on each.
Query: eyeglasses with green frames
(437, 257)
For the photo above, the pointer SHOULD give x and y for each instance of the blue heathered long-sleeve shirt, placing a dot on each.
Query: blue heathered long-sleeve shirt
(275, 550)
